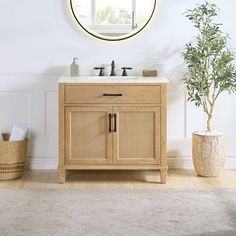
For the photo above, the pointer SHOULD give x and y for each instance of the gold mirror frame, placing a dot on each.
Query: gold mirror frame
(107, 38)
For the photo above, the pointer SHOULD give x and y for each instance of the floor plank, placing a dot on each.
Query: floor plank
(177, 178)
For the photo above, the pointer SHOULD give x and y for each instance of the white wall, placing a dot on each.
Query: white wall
(38, 40)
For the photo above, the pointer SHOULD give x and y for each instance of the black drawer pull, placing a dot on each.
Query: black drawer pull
(113, 94)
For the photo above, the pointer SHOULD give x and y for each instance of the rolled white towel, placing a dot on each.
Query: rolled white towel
(18, 132)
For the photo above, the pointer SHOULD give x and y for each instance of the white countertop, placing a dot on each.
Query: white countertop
(115, 79)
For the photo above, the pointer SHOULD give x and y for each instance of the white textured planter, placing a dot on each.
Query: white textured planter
(208, 152)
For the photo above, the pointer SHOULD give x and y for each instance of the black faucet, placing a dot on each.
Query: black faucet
(113, 73)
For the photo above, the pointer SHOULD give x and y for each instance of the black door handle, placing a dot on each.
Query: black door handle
(113, 94)
(115, 123)
(110, 120)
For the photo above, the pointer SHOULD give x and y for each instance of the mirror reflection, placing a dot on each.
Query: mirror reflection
(113, 19)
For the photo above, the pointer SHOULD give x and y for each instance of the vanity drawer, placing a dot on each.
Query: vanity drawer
(113, 94)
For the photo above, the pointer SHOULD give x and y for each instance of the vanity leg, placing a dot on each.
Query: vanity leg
(163, 175)
(62, 176)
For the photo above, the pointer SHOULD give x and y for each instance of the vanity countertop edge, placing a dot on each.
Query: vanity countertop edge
(112, 80)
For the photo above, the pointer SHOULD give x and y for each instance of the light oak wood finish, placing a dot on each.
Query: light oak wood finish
(61, 166)
(95, 94)
(137, 139)
(163, 140)
(87, 138)
(177, 178)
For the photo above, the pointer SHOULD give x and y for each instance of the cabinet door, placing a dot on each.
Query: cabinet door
(88, 140)
(137, 137)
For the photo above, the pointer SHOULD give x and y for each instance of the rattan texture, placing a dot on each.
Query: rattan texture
(12, 158)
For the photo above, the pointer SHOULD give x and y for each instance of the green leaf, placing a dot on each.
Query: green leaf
(209, 60)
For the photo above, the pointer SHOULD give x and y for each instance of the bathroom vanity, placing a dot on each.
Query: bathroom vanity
(112, 124)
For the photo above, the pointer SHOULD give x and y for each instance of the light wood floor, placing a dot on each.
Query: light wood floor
(125, 179)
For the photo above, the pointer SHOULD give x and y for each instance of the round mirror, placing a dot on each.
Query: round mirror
(113, 19)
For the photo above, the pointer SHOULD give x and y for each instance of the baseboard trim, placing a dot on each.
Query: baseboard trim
(173, 163)
(42, 163)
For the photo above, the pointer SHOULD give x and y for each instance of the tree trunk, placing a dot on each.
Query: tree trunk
(209, 124)
(209, 120)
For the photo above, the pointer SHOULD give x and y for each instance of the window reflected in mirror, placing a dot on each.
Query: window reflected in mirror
(113, 19)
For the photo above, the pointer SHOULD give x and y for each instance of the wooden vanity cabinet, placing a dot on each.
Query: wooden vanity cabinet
(112, 127)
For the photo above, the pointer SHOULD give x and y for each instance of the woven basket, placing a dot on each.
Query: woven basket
(12, 158)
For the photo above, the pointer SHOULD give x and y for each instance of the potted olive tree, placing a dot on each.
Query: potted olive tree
(211, 71)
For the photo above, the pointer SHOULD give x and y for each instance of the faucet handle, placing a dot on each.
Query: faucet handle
(101, 73)
(124, 70)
